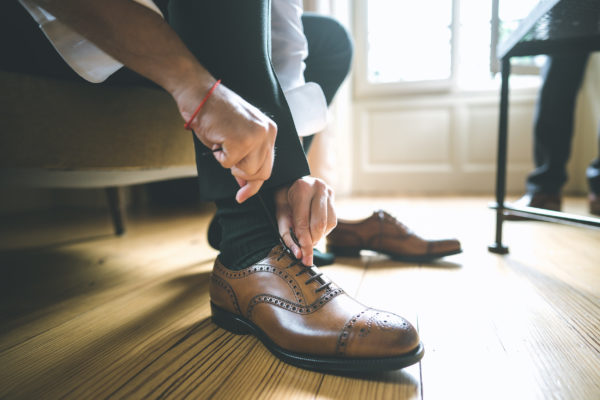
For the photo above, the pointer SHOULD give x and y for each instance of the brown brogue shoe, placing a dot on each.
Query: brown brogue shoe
(546, 201)
(383, 233)
(306, 320)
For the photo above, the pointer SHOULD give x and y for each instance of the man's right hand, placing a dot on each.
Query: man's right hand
(244, 134)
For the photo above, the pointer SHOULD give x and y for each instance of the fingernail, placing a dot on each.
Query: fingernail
(297, 252)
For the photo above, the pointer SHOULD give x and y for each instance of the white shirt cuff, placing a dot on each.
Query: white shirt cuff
(309, 108)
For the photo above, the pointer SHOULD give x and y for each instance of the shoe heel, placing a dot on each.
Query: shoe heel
(229, 321)
(344, 251)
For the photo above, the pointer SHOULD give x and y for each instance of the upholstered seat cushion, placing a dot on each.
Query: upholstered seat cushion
(61, 125)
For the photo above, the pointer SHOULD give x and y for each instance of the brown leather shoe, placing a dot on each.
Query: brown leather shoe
(306, 320)
(537, 200)
(385, 234)
(594, 203)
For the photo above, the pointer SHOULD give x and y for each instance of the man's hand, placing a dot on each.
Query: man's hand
(306, 207)
(244, 134)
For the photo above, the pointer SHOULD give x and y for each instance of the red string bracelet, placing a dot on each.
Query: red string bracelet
(212, 89)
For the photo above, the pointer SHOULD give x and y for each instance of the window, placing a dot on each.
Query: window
(434, 45)
(427, 59)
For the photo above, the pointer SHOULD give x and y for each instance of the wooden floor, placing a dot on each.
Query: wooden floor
(88, 315)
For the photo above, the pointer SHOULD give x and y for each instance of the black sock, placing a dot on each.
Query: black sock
(247, 235)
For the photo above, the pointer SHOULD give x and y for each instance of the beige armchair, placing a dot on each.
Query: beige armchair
(64, 134)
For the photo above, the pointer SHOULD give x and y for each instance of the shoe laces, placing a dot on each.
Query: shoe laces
(385, 216)
(314, 273)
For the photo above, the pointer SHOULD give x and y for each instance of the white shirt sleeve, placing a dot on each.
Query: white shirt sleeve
(84, 57)
(289, 50)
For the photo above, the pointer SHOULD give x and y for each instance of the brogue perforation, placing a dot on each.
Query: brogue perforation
(290, 306)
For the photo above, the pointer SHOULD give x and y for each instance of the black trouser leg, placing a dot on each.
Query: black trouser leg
(231, 38)
(328, 63)
(553, 123)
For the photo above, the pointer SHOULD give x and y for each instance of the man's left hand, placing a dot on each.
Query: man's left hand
(307, 208)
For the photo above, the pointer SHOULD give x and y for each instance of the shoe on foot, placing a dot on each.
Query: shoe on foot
(594, 203)
(306, 320)
(385, 234)
(546, 201)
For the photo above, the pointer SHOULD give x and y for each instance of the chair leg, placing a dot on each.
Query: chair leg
(114, 196)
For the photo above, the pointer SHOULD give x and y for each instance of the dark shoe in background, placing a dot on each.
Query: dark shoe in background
(383, 233)
(321, 259)
(594, 203)
(546, 201)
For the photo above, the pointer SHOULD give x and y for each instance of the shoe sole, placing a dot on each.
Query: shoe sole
(242, 326)
(354, 252)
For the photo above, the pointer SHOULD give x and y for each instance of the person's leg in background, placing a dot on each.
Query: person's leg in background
(553, 130)
(328, 63)
(593, 177)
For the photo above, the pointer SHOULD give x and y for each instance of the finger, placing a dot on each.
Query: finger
(248, 190)
(331, 215)
(230, 155)
(252, 171)
(289, 242)
(252, 163)
(301, 214)
(318, 217)
(240, 182)
(307, 254)
(284, 225)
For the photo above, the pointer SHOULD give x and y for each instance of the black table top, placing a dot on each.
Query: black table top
(556, 26)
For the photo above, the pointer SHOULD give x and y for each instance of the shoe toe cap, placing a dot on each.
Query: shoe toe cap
(380, 334)
(444, 246)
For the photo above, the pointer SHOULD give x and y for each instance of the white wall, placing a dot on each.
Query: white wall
(446, 143)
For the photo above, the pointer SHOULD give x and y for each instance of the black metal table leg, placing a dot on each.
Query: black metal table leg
(497, 246)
